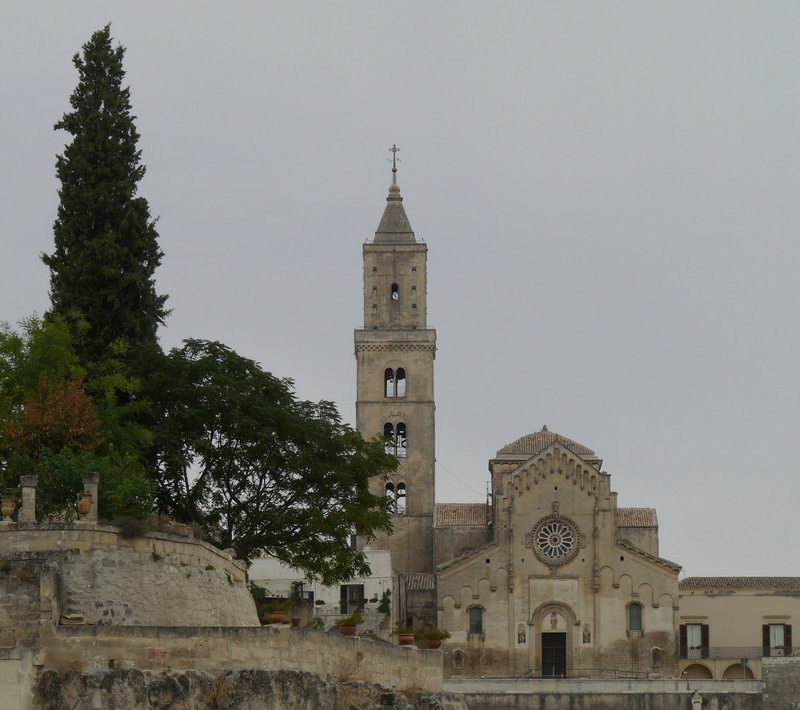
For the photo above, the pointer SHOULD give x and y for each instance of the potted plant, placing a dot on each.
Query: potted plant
(434, 637)
(405, 634)
(276, 610)
(347, 626)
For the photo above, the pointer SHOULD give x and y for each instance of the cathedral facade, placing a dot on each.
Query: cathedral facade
(548, 577)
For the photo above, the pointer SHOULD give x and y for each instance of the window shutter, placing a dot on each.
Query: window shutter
(704, 640)
(765, 638)
(683, 640)
(787, 639)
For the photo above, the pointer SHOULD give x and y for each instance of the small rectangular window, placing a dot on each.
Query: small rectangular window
(413, 305)
(413, 268)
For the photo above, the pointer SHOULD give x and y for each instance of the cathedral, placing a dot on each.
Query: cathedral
(548, 577)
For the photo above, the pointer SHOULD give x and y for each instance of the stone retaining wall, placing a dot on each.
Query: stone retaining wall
(524, 694)
(244, 690)
(333, 657)
(781, 683)
(97, 574)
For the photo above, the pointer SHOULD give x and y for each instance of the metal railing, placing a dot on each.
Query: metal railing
(573, 673)
(735, 652)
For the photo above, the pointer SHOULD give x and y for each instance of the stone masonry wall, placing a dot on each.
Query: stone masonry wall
(781, 683)
(240, 690)
(155, 579)
(522, 694)
(333, 657)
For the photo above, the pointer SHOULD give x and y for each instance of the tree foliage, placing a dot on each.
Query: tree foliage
(261, 470)
(50, 426)
(106, 244)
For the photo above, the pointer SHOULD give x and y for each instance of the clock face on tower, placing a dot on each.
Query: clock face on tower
(555, 539)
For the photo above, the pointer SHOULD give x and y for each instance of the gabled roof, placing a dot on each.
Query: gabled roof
(636, 518)
(782, 583)
(538, 441)
(455, 514)
(674, 566)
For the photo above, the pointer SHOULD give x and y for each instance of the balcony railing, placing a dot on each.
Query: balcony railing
(735, 652)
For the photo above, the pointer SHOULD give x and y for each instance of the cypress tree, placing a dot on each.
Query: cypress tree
(106, 244)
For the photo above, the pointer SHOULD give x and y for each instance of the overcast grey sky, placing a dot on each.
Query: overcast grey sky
(608, 191)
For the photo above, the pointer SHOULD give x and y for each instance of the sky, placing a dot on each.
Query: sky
(608, 192)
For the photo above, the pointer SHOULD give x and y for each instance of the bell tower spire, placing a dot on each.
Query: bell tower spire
(394, 353)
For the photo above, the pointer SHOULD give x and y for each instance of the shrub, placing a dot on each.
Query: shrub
(352, 620)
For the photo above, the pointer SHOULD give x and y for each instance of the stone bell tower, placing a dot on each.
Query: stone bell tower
(394, 353)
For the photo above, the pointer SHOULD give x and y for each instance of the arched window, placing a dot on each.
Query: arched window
(390, 497)
(388, 435)
(395, 439)
(401, 498)
(475, 621)
(394, 383)
(634, 617)
(395, 292)
(401, 441)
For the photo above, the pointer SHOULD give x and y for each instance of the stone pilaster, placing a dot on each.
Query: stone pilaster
(28, 512)
(90, 485)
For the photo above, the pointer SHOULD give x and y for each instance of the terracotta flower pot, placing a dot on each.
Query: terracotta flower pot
(295, 622)
(277, 617)
(405, 639)
(347, 629)
(434, 643)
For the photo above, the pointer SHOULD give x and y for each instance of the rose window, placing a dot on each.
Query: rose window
(555, 539)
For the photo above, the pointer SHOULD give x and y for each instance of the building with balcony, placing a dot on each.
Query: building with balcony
(729, 624)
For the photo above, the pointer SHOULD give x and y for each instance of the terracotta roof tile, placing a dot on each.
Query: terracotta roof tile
(419, 581)
(540, 440)
(791, 583)
(451, 514)
(636, 518)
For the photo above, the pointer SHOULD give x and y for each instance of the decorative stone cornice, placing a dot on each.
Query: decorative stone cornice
(394, 347)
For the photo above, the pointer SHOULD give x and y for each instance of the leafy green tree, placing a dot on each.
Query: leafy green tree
(50, 426)
(106, 244)
(260, 470)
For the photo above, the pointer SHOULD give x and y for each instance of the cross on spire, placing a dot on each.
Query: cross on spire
(394, 150)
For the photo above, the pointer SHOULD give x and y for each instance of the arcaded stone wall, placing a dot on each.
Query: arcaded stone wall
(101, 577)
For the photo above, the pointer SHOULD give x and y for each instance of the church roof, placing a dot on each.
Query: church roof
(420, 581)
(636, 518)
(394, 227)
(534, 443)
(455, 514)
(785, 583)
